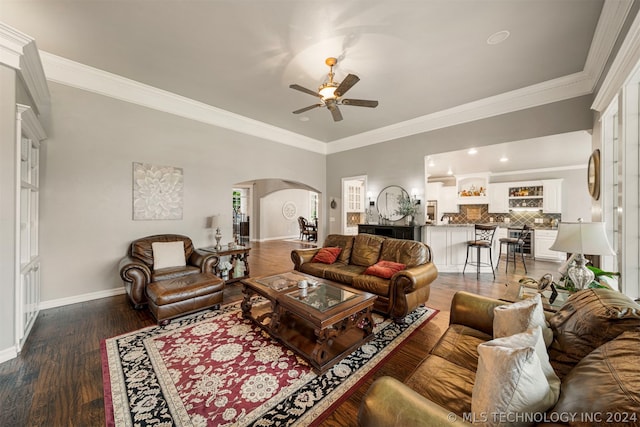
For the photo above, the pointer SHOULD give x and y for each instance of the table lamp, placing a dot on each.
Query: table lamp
(214, 223)
(581, 238)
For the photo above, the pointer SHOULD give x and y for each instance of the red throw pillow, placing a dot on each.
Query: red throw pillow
(385, 269)
(327, 255)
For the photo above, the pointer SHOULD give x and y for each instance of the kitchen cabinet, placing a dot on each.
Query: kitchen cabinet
(545, 195)
(552, 196)
(448, 200)
(448, 245)
(543, 241)
(498, 197)
(445, 196)
(355, 198)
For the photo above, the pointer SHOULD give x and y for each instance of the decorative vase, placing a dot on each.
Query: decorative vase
(408, 219)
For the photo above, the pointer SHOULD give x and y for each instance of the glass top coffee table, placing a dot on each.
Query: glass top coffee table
(551, 301)
(323, 323)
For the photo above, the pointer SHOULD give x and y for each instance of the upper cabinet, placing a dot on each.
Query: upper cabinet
(544, 195)
(499, 197)
(552, 196)
(472, 189)
(446, 196)
(355, 198)
(526, 196)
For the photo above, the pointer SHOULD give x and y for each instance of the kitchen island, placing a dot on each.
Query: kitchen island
(448, 243)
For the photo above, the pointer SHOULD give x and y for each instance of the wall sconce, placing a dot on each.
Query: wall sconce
(370, 197)
(414, 196)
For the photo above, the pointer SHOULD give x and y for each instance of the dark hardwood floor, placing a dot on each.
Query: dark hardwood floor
(57, 378)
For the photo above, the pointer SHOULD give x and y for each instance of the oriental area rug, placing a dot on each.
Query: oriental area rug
(217, 369)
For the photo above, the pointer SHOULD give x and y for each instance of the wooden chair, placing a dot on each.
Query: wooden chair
(307, 229)
(515, 244)
(483, 240)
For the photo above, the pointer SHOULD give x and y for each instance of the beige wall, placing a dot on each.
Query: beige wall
(86, 215)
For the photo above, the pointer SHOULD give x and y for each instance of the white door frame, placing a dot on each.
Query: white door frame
(343, 217)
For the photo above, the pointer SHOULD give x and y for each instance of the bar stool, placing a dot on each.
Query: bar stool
(483, 240)
(515, 244)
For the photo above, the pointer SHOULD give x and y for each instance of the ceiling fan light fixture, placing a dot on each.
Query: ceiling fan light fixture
(331, 93)
(327, 91)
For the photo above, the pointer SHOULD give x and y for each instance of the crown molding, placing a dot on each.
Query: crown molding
(555, 90)
(30, 123)
(19, 51)
(70, 73)
(621, 69)
(607, 31)
(541, 170)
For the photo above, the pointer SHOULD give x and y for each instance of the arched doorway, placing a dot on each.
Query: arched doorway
(273, 206)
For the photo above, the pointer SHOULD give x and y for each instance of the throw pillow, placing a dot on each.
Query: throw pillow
(515, 318)
(384, 269)
(327, 255)
(168, 254)
(514, 380)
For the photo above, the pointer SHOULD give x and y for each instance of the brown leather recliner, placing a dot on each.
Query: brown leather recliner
(136, 269)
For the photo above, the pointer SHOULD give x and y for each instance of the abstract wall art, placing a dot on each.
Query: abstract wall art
(157, 192)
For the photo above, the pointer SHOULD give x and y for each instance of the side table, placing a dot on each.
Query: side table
(238, 254)
(517, 292)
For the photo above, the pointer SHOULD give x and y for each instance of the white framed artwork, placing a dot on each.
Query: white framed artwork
(157, 192)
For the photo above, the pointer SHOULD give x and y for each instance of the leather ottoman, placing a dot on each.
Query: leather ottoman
(183, 295)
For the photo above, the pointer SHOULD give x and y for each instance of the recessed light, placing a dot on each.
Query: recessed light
(304, 118)
(472, 151)
(504, 159)
(498, 37)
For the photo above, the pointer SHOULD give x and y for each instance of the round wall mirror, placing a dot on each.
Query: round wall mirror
(388, 202)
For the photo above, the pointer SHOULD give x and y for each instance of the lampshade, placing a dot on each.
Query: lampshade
(214, 221)
(582, 238)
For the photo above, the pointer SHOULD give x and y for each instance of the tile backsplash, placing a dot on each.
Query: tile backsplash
(476, 214)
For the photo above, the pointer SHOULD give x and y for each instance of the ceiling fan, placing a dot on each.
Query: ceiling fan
(330, 93)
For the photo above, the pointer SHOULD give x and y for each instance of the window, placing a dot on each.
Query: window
(313, 205)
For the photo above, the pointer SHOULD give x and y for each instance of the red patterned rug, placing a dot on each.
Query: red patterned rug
(218, 369)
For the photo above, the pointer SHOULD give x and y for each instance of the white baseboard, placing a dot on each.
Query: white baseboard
(80, 298)
(8, 354)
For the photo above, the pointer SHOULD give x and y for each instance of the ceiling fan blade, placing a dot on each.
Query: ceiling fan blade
(335, 112)
(310, 107)
(305, 90)
(360, 103)
(346, 84)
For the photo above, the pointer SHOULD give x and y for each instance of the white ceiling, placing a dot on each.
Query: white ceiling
(559, 152)
(420, 59)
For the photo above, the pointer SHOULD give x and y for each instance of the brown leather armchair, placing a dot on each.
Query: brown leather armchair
(136, 269)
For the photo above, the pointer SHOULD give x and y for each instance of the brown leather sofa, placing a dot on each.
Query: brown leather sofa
(136, 269)
(397, 296)
(595, 353)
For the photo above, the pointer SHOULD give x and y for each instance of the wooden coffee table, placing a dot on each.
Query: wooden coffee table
(323, 324)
